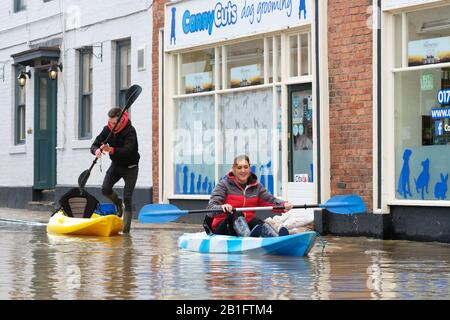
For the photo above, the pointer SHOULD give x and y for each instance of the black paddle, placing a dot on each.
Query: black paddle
(131, 95)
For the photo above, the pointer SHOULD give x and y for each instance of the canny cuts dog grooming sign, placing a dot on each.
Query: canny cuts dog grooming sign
(196, 22)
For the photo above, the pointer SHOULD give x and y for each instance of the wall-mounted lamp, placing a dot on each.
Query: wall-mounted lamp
(22, 78)
(53, 70)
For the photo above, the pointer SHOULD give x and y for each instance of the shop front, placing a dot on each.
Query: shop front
(239, 79)
(415, 66)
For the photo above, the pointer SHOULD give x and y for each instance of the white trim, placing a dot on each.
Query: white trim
(160, 114)
(405, 29)
(325, 163)
(388, 115)
(425, 67)
(375, 154)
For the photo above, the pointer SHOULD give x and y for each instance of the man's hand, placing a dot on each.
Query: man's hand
(227, 208)
(98, 153)
(106, 148)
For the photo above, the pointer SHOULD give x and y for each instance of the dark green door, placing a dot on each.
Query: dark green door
(44, 132)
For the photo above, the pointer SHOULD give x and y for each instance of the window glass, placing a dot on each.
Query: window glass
(20, 109)
(428, 36)
(197, 71)
(43, 104)
(293, 56)
(304, 54)
(21, 123)
(19, 5)
(85, 122)
(422, 134)
(125, 67)
(245, 64)
(87, 73)
(194, 146)
(246, 122)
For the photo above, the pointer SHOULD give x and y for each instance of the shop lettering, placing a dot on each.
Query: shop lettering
(443, 96)
(264, 8)
(198, 22)
(225, 15)
(447, 128)
(221, 16)
(440, 113)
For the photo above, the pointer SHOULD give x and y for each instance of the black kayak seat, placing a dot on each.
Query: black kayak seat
(78, 203)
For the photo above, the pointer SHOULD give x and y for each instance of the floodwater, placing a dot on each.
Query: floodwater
(148, 265)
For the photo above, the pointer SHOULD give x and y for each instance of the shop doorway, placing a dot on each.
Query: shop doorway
(301, 145)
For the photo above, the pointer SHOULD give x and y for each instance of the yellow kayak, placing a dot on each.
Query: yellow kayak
(96, 225)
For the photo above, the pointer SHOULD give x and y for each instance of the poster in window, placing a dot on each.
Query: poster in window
(198, 82)
(428, 51)
(243, 76)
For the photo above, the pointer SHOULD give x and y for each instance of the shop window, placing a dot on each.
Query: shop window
(422, 104)
(245, 64)
(422, 134)
(428, 36)
(299, 55)
(246, 122)
(194, 146)
(197, 71)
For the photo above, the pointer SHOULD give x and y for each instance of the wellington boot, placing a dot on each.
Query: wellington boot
(241, 227)
(256, 231)
(117, 202)
(268, 231)
(127, 217)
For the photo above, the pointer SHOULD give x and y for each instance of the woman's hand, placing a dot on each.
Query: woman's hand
(227, 207)
(288, 206)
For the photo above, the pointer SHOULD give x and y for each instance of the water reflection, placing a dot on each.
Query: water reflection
(148, 265)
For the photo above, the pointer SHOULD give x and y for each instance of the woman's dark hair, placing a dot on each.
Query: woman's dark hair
(240, 158)
(114, 112)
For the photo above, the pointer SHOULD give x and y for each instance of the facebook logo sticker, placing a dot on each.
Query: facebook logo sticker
(438, 125)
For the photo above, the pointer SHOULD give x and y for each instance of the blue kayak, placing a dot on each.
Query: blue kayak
(292, 245)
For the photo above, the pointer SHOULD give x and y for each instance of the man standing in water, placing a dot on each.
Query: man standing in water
(123, 152)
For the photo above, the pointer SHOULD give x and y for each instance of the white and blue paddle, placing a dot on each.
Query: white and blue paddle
(161, 213)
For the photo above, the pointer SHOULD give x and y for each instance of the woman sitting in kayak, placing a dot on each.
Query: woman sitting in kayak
(239, 189)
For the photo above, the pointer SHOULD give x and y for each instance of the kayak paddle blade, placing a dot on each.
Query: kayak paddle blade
(83, 178)
(131, 95)
(345, 204)
(160, 213)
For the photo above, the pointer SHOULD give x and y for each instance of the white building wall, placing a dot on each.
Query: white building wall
(87, 23)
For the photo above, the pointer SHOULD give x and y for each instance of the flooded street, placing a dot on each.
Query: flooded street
(148, 265)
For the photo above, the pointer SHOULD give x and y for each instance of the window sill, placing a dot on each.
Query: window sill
(18, 149)
(81, 144)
